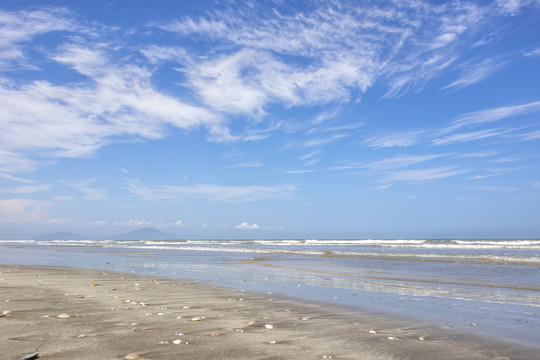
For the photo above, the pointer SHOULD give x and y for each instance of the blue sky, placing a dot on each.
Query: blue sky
(270, 119)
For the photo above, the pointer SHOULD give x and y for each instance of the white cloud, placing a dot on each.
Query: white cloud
(247, 226)
(424, 174)
(90, 194)
(469, 136)
(400, 161)
(133, 223)
(495, 114)
(22, 210)
(17, 28)
(210, 192)
(178, 223)
(475, 73)
(60, 221)
(400, 138)
(100, 222)
(28, 189)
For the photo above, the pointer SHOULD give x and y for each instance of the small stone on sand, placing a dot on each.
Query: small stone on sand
(273, 342)
(63, 316)
(372, 331)
(421, 339)
(131, 356)
(176, 342)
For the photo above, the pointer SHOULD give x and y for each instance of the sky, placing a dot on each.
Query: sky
(270, 119)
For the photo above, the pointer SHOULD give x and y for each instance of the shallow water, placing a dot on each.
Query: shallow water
(494, 284)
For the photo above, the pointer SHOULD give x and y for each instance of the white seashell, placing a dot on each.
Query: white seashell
(372, 331)
(131, 356)
(185, 307)
(198, 318)
(273, 342)
(391, 338)
(160, 314)
(63, 316)
(305, 319)
(179, 334)
(421, 339)
(176, 342)
(268, 326)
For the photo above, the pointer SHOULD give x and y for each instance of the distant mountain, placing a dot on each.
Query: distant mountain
(144, 234)
(60, 236)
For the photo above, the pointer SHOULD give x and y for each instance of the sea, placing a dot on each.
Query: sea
(483, 286)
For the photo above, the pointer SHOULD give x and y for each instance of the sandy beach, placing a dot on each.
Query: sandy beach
(66, 313)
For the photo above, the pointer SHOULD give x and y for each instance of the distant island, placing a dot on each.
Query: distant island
(148, 233)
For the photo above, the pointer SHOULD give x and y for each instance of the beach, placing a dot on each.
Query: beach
(68, 313)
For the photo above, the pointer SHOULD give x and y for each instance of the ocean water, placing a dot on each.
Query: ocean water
(493, 284)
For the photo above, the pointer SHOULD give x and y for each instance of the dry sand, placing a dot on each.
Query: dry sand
(114, 315)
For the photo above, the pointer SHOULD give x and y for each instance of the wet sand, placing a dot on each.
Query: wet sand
(114, 316)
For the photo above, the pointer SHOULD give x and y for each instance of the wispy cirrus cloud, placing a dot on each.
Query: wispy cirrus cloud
(476, 72)
(18, 28)
(469, 136)
(422, 175)
(399, 138)
(210, 192)
(26, 189)
(494, 114)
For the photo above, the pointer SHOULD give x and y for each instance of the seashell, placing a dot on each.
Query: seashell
(473, 324)
(198, 318)
(131, 356)
(327, 357)
(163, 342)
(79, 296)
(134, 324)
(251, 323)
(239, 330)
(179, 334)
(63, 316)
(372, 332)
(82, 336)
(176, 342)
(268, 326)
(214, 334)
(160, 314)
(93, 284)
(421, 339)
(391, 338)
(185, 307)
(273, 342)
(305, 319)
(240, 299)
(148, 314)
(5, 312)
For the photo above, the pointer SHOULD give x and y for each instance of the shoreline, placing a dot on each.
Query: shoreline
(113, 315)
